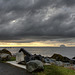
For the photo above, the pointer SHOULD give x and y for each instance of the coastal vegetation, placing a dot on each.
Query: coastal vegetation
(12, 58)
(55, 70)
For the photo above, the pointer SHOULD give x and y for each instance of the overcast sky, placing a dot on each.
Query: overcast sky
(25, 21)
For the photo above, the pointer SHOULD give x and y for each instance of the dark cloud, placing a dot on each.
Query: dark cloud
(69, 2)
(21, 19)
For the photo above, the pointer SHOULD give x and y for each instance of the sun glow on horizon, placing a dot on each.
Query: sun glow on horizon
(34, 44)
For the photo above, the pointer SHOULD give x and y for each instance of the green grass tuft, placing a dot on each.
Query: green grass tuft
(55, 70)
(12, 58)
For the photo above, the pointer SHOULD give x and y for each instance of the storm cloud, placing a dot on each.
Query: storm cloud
(23, 19)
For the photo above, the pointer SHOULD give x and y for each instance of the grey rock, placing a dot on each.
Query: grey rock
(52, 61)
(67, 64)
(47, 60)
(19, 57)
(5, 57)
(59, 63)
(59, 57)
(34, 65)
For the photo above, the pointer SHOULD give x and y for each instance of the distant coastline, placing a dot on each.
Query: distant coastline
(39, 47)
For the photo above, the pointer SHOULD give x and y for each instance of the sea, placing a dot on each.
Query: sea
(47, 51)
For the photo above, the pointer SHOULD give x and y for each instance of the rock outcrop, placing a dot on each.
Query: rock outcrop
(19, 57)
(5, 57)
(59, 57)
(5, 51)
(34, 65)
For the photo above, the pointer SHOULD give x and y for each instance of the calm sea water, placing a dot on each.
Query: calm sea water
(48, 51)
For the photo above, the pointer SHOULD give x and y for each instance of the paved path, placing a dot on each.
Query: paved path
(15, 64)
(7, 69)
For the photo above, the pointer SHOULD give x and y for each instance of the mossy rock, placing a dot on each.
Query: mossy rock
(59, 57)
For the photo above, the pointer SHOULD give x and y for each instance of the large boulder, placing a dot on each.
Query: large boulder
(5, 51)
(59, 57)
(5, 57)
(34, 65)
(20, 57)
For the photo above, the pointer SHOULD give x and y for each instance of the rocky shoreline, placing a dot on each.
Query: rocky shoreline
(57, 59)
(36, 62)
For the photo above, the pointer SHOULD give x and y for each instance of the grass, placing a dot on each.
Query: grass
(55, 70)
(12, 58)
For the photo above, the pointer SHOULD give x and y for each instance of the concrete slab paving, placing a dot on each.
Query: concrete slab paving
(15, 64)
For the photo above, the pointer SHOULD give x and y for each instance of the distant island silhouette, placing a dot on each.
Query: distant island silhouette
(62, 46)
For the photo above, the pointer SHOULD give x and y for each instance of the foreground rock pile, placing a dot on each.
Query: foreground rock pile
(35, 62)
(32, 62)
